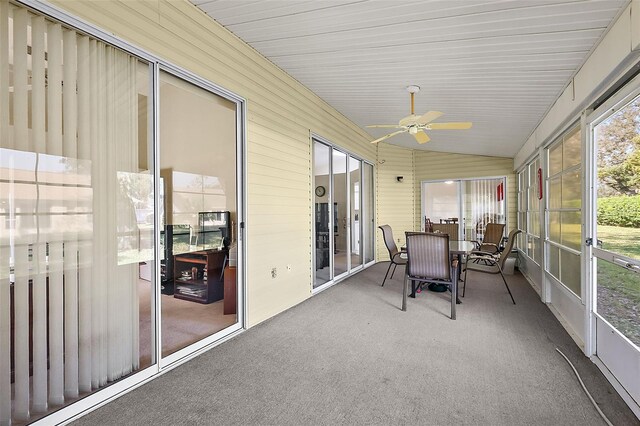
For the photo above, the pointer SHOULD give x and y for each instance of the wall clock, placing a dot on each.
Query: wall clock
(320, 191)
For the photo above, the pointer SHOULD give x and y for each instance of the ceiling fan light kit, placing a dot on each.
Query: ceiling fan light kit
(416, 124)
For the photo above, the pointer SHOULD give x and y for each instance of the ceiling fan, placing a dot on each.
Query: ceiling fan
(417, 124)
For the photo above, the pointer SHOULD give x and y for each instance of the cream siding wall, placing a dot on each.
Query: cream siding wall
(396, 200)
(281, 113)
(431, 165)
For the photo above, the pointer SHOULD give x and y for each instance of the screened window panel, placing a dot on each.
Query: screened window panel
(570, 271)
(571, 190)
(571, 150)
(555, 160)
(571, 229)
(554, 261)
(555, 193)
(554, 227)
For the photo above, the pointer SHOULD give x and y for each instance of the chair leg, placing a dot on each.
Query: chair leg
(506, 285)
(394, 270)
(385, 275)
(454, 296)
(464, 286)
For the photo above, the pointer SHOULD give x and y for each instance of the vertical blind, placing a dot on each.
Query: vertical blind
(484, 203)
(68, 130)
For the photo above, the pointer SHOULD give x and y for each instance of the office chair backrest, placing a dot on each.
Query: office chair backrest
(387, 234)
(428, 255)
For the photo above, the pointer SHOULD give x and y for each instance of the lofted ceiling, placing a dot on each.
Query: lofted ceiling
(500, 64)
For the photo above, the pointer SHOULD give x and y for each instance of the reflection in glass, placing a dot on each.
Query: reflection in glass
(341, 242)
(323, 226)
(368, 223)
(76, 246)
(198, 170)
(356, 212)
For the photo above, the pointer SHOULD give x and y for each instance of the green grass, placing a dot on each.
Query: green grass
(620, 300)
(625, 241)
(620, 240)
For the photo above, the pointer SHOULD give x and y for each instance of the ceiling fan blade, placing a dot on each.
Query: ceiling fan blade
(386, 126)
(429, 117)
(409, 120)
(388, 136)
(449, 126)
(422, 137)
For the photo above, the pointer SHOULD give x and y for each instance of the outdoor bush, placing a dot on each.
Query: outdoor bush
(619, 211)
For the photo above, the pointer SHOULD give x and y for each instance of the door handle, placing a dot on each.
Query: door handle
(627, 265)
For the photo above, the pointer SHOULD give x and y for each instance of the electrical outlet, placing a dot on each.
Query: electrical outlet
(274, 272)
(288, 268)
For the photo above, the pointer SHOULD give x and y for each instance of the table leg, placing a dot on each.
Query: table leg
(404, 292)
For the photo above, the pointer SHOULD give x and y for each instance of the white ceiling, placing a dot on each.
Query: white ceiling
(500, 64)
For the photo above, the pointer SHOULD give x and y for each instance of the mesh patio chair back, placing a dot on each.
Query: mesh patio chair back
(492, 237)
(507, 248)
(396, 258)
(387, 235)
(447, 228)
(428, 255)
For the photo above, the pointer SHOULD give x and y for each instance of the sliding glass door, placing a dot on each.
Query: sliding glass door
(355, 203)
(200, 213)
(76, 215)
(117, 249)
(344, 228)
(469, 203)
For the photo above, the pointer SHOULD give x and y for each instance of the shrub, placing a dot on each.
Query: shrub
(619, 211)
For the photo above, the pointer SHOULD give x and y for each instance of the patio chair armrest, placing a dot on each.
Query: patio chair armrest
(492, 245)
(481, 253)
(487, 258)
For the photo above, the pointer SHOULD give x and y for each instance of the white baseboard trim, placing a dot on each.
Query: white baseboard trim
(633, 405)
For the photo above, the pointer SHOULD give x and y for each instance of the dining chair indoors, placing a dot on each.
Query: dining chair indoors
(395, 256)
(492, 238)
(429, 261)
(446, 228)
(489, 263)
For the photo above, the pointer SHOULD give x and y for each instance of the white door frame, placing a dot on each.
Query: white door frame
(593, 320)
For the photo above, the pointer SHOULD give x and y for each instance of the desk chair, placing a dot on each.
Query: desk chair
(428, 261)
(491, 264)
(395, 256)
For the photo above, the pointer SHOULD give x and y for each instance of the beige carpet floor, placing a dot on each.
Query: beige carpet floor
(183, 322)
(350, 356)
